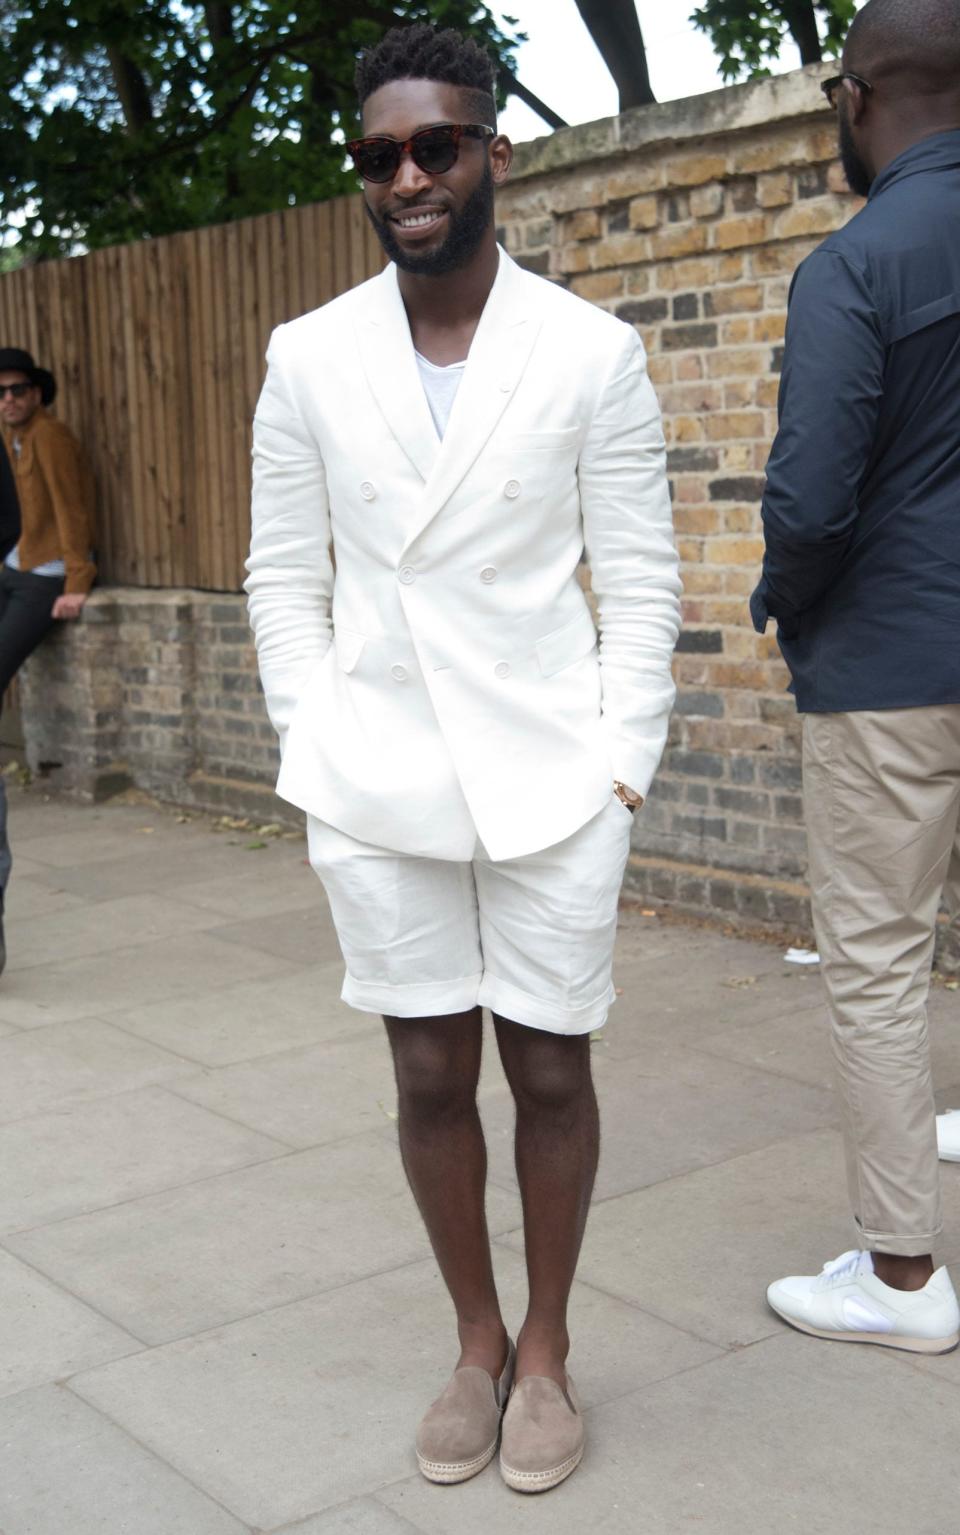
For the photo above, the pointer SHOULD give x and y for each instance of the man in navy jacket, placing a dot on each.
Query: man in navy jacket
(862, 573)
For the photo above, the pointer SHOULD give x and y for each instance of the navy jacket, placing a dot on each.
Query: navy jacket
(861, 510)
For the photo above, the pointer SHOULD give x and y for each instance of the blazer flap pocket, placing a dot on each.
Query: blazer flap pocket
(564, 646)
(349, 646)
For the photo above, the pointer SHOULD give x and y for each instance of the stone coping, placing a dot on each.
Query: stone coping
(732, 109)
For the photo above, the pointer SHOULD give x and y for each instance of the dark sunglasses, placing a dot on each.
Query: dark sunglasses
(831, 86)
(16, 390)
(435, 150)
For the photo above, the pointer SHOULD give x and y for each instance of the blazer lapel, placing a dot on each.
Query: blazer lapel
(390, 364)
(508, 328)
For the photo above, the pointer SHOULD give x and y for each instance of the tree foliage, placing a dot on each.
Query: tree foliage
(126, 118)
(747, 34)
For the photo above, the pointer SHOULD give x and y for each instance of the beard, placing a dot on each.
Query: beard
(465, 234)
(859, 179)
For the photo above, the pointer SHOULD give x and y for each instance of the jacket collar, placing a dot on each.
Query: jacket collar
(499, 353)
(940, 152)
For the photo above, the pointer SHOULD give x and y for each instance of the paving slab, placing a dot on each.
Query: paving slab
(28, 896)
(305, 1097)
(297, 1006)
(66, 1470)
(221, 1248)
(102, 929)
(286, 884)
(685, 997)
(675, 1111)
(797, 1044)
(304, 937)
(362, 1516)
(778, 1211)
(97, 1154)
(311, 1404)
(134, 866)
(45, 1333)
(69, 1063)
(790, 1434)
(90, 987)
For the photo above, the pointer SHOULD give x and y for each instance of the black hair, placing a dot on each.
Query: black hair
(918, 40)
(422, 52)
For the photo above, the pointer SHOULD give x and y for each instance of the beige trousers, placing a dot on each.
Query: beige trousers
(882, 803)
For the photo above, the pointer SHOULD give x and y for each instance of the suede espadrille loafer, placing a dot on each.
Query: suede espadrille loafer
(543, 1435)
(459, 1433)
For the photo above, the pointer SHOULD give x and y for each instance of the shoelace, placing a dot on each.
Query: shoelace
(839, 1269)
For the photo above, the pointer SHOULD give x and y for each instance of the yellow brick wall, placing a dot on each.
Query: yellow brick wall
(688, 221)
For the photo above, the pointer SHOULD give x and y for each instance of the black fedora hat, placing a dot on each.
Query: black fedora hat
(14, 360)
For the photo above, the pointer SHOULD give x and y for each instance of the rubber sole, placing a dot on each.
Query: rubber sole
(448, 1474)
(949, 1156)
(885, 1340)
(540, 1481)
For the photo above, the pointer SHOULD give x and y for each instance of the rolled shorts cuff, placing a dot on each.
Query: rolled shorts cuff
(520, 1007)
(897, 1247)
(425, 999)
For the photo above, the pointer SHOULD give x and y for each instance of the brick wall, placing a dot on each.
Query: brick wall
(157, 690)
(687, 220)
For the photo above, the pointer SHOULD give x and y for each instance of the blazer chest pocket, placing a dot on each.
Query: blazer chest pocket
(564, 646)
(349, 647)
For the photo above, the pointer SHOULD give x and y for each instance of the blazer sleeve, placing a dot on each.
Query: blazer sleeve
(628, 535)
(290, 573)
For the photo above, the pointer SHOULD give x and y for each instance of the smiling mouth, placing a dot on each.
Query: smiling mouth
(419, 219)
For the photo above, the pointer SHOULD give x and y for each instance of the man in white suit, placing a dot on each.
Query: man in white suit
(469, 761)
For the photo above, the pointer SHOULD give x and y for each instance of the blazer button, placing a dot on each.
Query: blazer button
(407, 574)
(502, 669)
(512, 489)
(398, 673)
(488, 573)
(367, 490)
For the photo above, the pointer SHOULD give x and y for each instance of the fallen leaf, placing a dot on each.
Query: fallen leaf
(647, 912)
(734, 981)
(252, 847)
(390, 1113)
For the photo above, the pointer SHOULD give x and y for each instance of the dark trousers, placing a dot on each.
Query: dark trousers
(26, 613)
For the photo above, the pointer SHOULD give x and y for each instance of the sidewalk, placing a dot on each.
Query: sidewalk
(218, 1312)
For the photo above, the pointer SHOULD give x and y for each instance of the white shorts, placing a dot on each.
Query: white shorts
(530, 938)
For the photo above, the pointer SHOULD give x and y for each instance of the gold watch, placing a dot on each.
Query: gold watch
(627, 796)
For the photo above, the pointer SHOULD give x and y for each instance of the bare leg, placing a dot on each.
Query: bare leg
(557, 1147)
(437, 1065)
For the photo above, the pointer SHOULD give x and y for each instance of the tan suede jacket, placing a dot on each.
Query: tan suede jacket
(56, 494)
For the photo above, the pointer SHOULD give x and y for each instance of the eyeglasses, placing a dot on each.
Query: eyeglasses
(831, 86)
(16, 390)
(435, 150)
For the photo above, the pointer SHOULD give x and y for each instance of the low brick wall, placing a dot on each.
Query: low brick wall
(158, 690)
(687, 220)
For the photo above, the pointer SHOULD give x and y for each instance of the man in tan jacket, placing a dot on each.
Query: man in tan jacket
(46, 531)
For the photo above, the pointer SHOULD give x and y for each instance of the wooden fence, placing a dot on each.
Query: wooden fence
(158, 352)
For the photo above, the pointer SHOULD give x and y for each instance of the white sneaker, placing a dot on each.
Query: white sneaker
(848, 1301)
(948, 1136)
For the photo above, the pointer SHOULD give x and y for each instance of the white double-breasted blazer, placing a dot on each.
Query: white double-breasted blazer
(439, 678)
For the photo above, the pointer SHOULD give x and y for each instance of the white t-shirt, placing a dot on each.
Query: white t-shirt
(440, 386)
